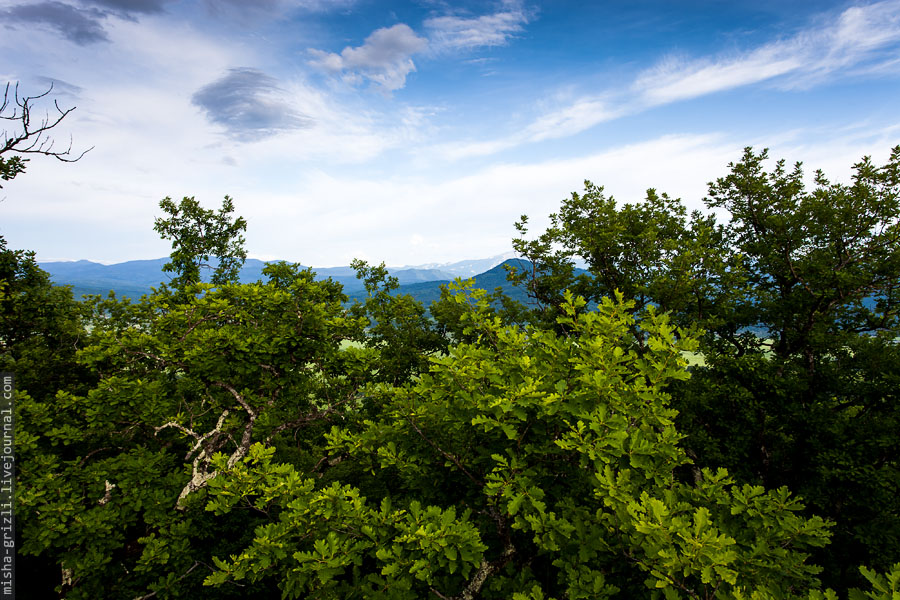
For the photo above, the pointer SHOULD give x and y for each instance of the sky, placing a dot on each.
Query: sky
(418, 132)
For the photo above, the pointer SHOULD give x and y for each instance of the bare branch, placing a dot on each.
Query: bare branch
(470, 592)
(237, 396)
(325, 461)
(473, 587)
(210, 443)
(30, 136)
(200, 474)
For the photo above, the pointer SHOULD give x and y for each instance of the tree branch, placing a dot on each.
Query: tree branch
(185, 574)
(31, 139)
(449, 457)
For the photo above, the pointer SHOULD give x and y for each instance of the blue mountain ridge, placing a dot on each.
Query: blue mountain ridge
(134, 278)
(429, 291)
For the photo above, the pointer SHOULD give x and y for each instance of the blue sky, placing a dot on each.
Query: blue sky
(418, 132)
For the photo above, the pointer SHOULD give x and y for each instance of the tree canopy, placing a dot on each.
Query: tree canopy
(270, 439)
(797, 296)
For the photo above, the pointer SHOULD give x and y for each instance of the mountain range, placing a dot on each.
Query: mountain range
(135, 278)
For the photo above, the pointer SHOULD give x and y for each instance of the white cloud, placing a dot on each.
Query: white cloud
(371, 179)
(578, 116)
(861, 39)
(327, 217)
(469, 149)
(860, 35)
(151, 141)
(564, 119)
(320, 5)
(452, 32)
(469, 216)
(674, 80)
(384, 58)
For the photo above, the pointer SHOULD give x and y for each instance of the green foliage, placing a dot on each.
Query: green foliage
(112, 477)
(527, 461)
(327, 542)
(651, 252)
(812, 258)
(41, 326)
(219, 440)
(450, 314)
(10, 167)
(197, 234)
(884, 587)
(397, 326)
(798, 297)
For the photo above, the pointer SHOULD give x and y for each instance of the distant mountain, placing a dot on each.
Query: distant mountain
(428, 292)
(132, 279)
(347, 276)
(129, 279)
(467, 268)
(136, 277)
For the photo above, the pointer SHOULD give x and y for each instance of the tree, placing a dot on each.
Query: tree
(41, 326)
(798, 297)
(823, 269)
(29, 136)
(650, 251)
(228, 441)
(198, 234)
(112, 477)
(397, 326)
(530, 465)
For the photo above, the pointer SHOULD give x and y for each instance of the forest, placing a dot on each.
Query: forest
(710, 410)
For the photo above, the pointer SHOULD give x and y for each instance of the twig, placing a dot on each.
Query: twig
(185, 574)
(449, 457)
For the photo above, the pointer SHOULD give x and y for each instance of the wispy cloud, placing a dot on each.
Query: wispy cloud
(571, 119)
(675, 79)
(565, 119)
(384, 58)
(860, 35)
(59, 87)
(318, 5)
(455, 32)
(859, 40)
(247, 103)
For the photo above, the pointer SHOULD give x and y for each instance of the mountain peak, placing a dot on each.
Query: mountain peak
(467, 268)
